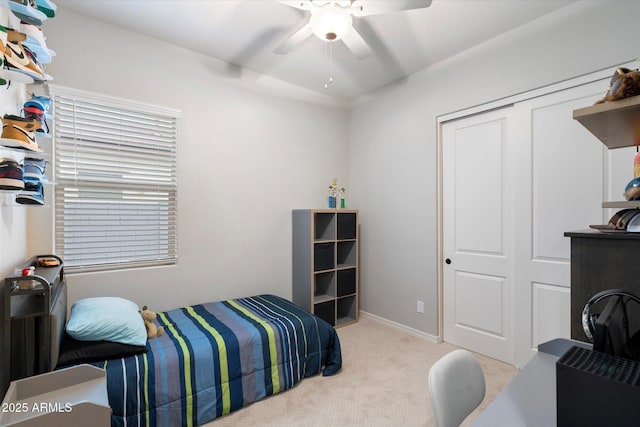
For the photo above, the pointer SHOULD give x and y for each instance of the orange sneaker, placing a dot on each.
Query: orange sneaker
(20, 58)
(19, 132)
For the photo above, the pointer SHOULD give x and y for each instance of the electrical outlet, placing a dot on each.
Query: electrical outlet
(420, 306)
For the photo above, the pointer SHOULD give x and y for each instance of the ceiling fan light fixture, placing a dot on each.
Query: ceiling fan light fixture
(330, 22)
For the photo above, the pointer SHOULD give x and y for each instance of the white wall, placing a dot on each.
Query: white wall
(246, 158)
(13, 224)
(392, 145)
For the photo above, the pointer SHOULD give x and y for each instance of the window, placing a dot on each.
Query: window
(116, 185)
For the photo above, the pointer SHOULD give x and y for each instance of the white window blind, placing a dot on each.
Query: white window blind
(116, 183)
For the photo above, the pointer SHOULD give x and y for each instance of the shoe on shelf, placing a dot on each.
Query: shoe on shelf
(19, 132)
(33, 194)
(10, 175)
(20, 58)
(27, 11)
(33, 170)
(7, 72)
(41, 102)
(35, 41)
(47, 7)
(33, 112)
(36, 108)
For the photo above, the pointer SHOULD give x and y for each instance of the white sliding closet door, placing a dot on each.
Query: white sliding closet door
(478, 230)
(560, 183)
(514, 180)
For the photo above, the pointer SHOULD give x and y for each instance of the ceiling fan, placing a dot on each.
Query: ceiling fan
(332, 20)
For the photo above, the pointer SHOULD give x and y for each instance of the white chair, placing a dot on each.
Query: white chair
(456, 387)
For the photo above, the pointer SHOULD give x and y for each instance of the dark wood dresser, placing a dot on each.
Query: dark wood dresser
(600, 261)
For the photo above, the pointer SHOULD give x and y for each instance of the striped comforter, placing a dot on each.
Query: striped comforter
(217, 357)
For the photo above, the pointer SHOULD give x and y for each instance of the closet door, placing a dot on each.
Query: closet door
(514, 181)
(560, 185)
(478, 233)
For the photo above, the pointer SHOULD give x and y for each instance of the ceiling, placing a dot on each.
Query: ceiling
(245, 33)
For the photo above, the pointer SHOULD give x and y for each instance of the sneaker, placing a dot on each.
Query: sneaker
(33, 194)
(21, 58)
(47, 7)
(19, 132)
(36, 108)
(41, 102)
(10, 175)
(35, 41)
(33, 170)
(34, 113)
(27, 11)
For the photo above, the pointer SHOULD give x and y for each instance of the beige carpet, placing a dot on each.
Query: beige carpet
(383, 382)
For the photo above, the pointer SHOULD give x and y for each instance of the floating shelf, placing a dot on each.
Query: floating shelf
(616, 124)
(622, 204)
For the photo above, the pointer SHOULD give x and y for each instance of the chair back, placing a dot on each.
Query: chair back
(456, 387)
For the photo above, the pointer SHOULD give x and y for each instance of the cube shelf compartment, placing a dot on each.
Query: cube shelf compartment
(346, 254)
(346, 284)
(325, 263)
(324, 286)
(323, 256)
(346, 310)
(326, 311)
(324, 226)
(347, 226)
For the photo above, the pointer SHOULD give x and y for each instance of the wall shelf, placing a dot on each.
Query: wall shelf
(624, 204)
(616, 124)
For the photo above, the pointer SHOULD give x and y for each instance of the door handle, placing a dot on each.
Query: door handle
(447, 261)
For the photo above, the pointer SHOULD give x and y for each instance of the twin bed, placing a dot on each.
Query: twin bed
(213, 359)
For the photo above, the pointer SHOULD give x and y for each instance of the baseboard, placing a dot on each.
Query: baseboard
(402, 327)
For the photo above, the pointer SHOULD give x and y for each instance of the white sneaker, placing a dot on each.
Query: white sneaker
(36, 43)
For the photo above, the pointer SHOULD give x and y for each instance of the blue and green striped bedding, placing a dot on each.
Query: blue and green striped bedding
(217, 357)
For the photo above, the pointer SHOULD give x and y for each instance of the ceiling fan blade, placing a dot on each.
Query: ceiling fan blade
(367, 8)
(299, 4)
(356, 44)
(294, 40)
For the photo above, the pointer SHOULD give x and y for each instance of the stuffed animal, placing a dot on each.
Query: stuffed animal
(152, 330)
(624, 83)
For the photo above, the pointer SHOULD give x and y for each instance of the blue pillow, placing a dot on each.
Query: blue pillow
(107, 319)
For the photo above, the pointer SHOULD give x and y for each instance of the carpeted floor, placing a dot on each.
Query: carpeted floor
(383, 382)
